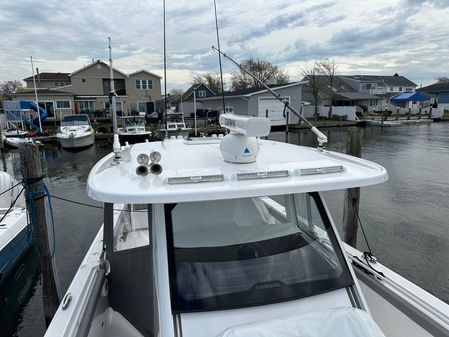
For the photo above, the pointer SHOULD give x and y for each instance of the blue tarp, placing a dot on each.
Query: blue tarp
(409, 97)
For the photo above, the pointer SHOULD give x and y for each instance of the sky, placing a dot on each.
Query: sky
(408, 37)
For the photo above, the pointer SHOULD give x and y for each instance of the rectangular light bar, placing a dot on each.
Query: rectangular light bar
(262, 175)
(321, 170)
(195, 179)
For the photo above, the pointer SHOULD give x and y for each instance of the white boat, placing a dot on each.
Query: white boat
(15, 234)
(15, 133)
(385, 123)
(175, 126)
(15, 141)
(133, 130)
(76, 132)
(233, 238)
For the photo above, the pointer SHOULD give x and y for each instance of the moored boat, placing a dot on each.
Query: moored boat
(133, 130)
(15, 234)
(174, 126)
(76, 132)
(233, 238)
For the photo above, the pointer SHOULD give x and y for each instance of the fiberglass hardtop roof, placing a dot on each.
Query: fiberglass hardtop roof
(302, 169)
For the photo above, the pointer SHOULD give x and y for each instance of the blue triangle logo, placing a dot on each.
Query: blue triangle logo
(246, 151)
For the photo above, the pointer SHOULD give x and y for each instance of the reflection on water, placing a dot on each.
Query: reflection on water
(406, 219)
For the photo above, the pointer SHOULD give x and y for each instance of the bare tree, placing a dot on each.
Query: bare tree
(212, 80)
(263, 70)
(328, 68)
(442, 79)
(175, 92)
(8, 88)
(316, 84)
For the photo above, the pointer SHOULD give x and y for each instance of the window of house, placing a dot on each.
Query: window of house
(391, 89)
(141, 106)
(144, 84)
(63, 105)
(86, 106)
(400, 88)
(118, 106)
(201, 93)
(409, 89)
(83, 80)
(60, 84)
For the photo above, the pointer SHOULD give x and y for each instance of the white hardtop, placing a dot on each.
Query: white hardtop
(198, 172)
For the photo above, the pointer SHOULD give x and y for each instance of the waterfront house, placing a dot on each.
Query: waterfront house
(87, 90)
(439, 93)
(369, 92)
(257, 101)
(191, 98)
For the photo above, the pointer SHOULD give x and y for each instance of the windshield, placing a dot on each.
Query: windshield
(251, 251)
(72, 120)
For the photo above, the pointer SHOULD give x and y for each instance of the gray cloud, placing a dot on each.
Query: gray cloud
(64, 37)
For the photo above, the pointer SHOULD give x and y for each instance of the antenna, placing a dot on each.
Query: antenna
(219, 57)
(165, 79)
(112, 93)
(322, 139)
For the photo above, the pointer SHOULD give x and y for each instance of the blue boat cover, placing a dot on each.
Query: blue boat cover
(409, 97)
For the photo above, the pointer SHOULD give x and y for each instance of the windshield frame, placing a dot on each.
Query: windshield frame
(233, 300)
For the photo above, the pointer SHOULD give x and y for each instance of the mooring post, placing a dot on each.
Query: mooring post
(352, 195)
(35, 198)
(409, 112)
(419, 112)
(382, 116)
(430, 112)
(397, 113)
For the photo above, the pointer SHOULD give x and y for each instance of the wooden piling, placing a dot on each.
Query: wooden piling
(430, 112)
(35, 198)
(397, 113)
(352, 195)
(382, 116)
(419, 112)
(409, 113)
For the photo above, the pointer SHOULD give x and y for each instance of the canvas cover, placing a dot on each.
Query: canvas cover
(348, 322)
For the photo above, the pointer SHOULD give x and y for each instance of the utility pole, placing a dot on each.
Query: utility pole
(35, 198)
(352, 195)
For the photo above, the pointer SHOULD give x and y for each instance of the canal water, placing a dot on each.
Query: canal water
(406, 219)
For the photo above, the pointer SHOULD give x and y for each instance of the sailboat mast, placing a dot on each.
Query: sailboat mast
(112, 92)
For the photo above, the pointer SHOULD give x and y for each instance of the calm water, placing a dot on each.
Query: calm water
(406, 219)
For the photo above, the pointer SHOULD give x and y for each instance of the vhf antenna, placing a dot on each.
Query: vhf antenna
(219, 57)
(165, 78)
(322, 139)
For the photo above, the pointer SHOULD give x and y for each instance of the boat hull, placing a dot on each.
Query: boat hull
(13, 251)
(133, 138)
(77, 142)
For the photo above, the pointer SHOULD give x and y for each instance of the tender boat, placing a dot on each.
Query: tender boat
(174, 127)
(15, 233)
(16, 133)
(15, 142)
(76, 132)
(231, 237)
(133, 130)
